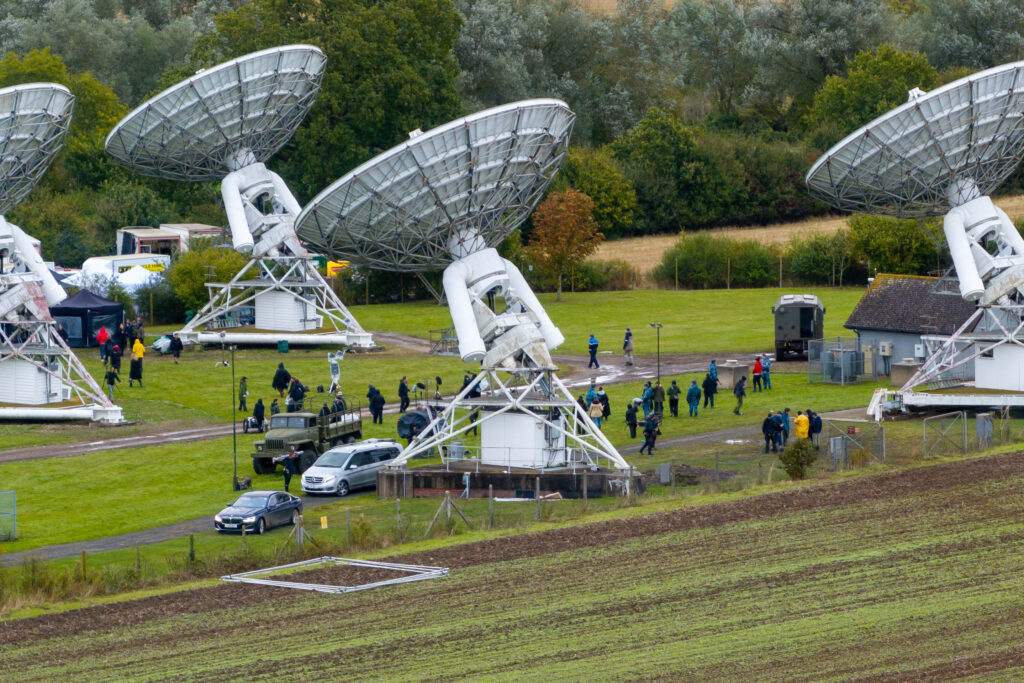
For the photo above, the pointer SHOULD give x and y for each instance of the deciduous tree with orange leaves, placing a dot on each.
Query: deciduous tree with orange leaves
(564, 234)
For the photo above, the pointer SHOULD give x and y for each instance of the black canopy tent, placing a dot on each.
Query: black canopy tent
(84, 314)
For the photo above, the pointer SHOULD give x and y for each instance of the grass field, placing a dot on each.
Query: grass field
(708, 321)
(911, 575)
(162, 484)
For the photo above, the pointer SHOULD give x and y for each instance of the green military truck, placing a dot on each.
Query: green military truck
(308, 432)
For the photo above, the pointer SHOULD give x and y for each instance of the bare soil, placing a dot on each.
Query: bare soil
(821, 496)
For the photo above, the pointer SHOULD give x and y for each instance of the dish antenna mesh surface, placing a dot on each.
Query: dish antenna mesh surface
(901, 163)
(34, 120)
(206, 126)
(475, 178)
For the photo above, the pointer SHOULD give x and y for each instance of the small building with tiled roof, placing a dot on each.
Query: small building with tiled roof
(898, 310)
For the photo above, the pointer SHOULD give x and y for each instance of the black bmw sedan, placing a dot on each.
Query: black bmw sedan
(257, 511)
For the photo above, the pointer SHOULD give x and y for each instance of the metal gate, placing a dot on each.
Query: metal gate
(8, 516)
(945, 433)
(854, 443)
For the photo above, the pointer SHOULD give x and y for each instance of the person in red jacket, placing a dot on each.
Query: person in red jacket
(757, 374)
(101, 339)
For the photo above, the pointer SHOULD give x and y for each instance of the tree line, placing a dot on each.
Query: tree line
(706, 113)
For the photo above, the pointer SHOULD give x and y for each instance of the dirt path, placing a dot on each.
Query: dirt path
(945, 476)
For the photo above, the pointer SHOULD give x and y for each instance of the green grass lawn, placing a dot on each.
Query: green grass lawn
(907, 585)
(711, 321)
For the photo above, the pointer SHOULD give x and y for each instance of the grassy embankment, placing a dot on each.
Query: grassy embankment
(923, 582)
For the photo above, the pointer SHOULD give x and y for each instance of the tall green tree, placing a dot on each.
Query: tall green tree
(390, 70)
(595, 173)
(876, 81)
(677, 187)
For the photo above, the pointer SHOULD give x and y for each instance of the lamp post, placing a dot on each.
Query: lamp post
(657, 327)
(234, 424)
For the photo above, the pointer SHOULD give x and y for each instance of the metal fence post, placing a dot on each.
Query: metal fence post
(348, 528)
(585, 486)
(490, 506)
(398, 516)
(537, 496)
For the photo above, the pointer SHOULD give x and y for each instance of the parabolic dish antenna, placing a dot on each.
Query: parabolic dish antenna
(901, 163)
(476, 178)
(222, 119)
(34, 120)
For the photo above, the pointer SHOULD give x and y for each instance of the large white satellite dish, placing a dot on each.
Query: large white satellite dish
(223, 124)
(37, 369)
(942, 153)
(901, 163)
(480, 175)
(446, 198)
(194, 130)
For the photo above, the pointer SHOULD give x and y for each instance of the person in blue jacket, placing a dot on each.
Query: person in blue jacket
(693, 397)
(713, 370)
(592, 346)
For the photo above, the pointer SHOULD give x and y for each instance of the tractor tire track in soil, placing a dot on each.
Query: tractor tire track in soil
(830, 495)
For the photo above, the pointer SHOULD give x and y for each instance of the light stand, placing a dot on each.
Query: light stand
(657, 327)
(234, 424)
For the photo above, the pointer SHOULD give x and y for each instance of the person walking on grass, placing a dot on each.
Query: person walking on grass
(291, 465)
(596, 412)
(115, 357)
(281, 380)
(631, 418)
(739, 391)
(592, 345)
(101, 340)
(135, 367)
(627, 348)
(785, 426)
(258, 414)
(606, 404)
(768, 430)
(778, 429)
(757, 374)
(176, 347)
(766, 367)
(710, 387)
(110, 378)
(658, 396)
(713, 370)
(646, 402)
(650, 434)
(693, 397)
(243, 391)
(673, 398)
(403, 394)
(801, 425)
(591, 393)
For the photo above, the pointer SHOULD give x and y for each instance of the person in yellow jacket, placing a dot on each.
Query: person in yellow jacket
(135, 367)
(801, 425)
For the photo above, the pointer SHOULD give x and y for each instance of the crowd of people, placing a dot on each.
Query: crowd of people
(130, 336)
(776, 428)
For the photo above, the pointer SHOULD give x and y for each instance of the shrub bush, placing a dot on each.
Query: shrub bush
(706, 262)
(798, 457)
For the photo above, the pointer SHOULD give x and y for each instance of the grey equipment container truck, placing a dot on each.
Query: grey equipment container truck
(799, 319)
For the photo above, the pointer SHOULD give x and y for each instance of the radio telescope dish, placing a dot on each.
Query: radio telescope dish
(34, 120)
(474, 179)
(901, 163)
(222, 119)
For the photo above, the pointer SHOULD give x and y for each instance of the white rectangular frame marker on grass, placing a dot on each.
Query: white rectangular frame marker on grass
(413, 572)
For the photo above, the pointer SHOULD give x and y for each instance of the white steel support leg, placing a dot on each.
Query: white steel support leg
(299, 276)
(516, 397)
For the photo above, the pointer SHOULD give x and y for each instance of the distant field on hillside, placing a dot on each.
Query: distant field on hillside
(645, 252)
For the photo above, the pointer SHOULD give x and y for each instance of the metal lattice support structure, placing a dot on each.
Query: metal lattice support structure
(192, 131)
(8, 516)
(948, 354)
(298, 278)
(468, 183)
(222, 124)
(901, 164)
(540, 395)
(410, 573)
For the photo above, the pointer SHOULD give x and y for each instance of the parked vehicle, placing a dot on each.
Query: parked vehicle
(346, 468)
(306, 432)
(257, 511)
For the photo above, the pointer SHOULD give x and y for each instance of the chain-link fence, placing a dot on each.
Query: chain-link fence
(853, 443)
(963, 432)
(8, 516)
(837, 360)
